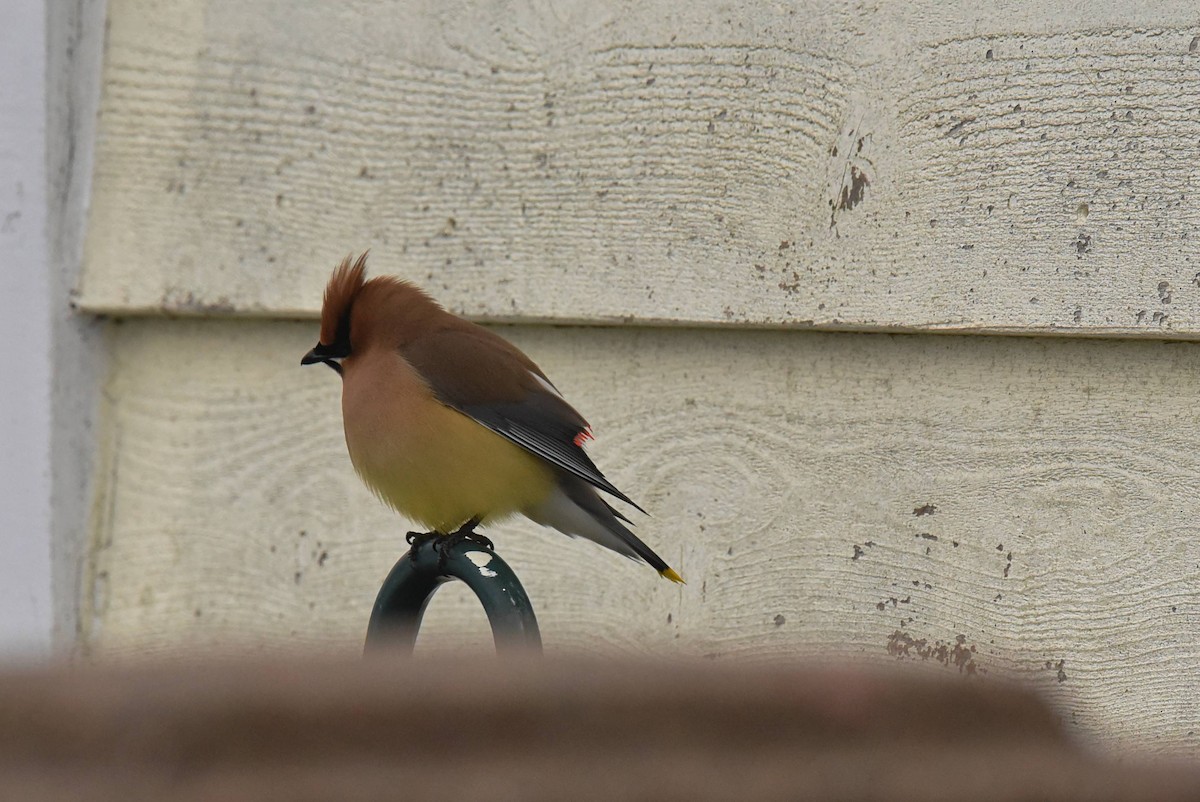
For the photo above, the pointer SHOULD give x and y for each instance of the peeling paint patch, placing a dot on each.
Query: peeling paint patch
(925, 509)
(853, 189)
(892, 600)
(959, 654)
(1058, 669)
(860, 550)
(482, 560)
(850, 174)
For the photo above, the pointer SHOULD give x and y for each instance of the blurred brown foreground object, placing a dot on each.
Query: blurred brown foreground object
(521, 730)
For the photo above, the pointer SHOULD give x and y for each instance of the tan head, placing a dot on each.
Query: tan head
(357, 314)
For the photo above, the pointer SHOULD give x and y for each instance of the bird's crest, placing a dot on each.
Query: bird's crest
(345, 284)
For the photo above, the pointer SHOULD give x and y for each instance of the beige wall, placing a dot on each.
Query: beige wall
(913, 165)
(681, 172)
(784, 472)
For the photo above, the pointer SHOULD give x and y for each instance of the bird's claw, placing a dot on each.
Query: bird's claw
(418, 539)
(443, 543)
(479, 540)
(466, 532)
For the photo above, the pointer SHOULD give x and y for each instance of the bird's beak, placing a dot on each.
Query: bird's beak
(323, 354)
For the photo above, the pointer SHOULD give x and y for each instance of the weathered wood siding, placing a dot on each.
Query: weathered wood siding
(1009, 168)
(997, 506)
(1002, 506)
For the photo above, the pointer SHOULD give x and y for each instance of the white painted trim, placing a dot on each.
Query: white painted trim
(75, 51)
(26, 601)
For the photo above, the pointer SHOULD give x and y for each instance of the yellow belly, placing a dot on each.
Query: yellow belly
(431, 463)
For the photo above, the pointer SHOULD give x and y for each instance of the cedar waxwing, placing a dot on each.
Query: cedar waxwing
(452, 425)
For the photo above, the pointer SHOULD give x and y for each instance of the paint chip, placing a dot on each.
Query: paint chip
(482, 560)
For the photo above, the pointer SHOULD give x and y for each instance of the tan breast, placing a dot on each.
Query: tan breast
(428, 461)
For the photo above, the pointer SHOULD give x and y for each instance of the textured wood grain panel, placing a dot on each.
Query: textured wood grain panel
(918, 165)
(979, 506)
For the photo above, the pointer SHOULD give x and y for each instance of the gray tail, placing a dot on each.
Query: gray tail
(575, 508)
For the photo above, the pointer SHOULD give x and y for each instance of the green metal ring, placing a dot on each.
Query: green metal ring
(405, 594)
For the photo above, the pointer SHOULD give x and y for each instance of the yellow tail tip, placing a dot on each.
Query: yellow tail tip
(669, 573)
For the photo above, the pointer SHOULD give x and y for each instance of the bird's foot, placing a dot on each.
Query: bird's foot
(466, 532)
(418, 539)
(480, 540)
